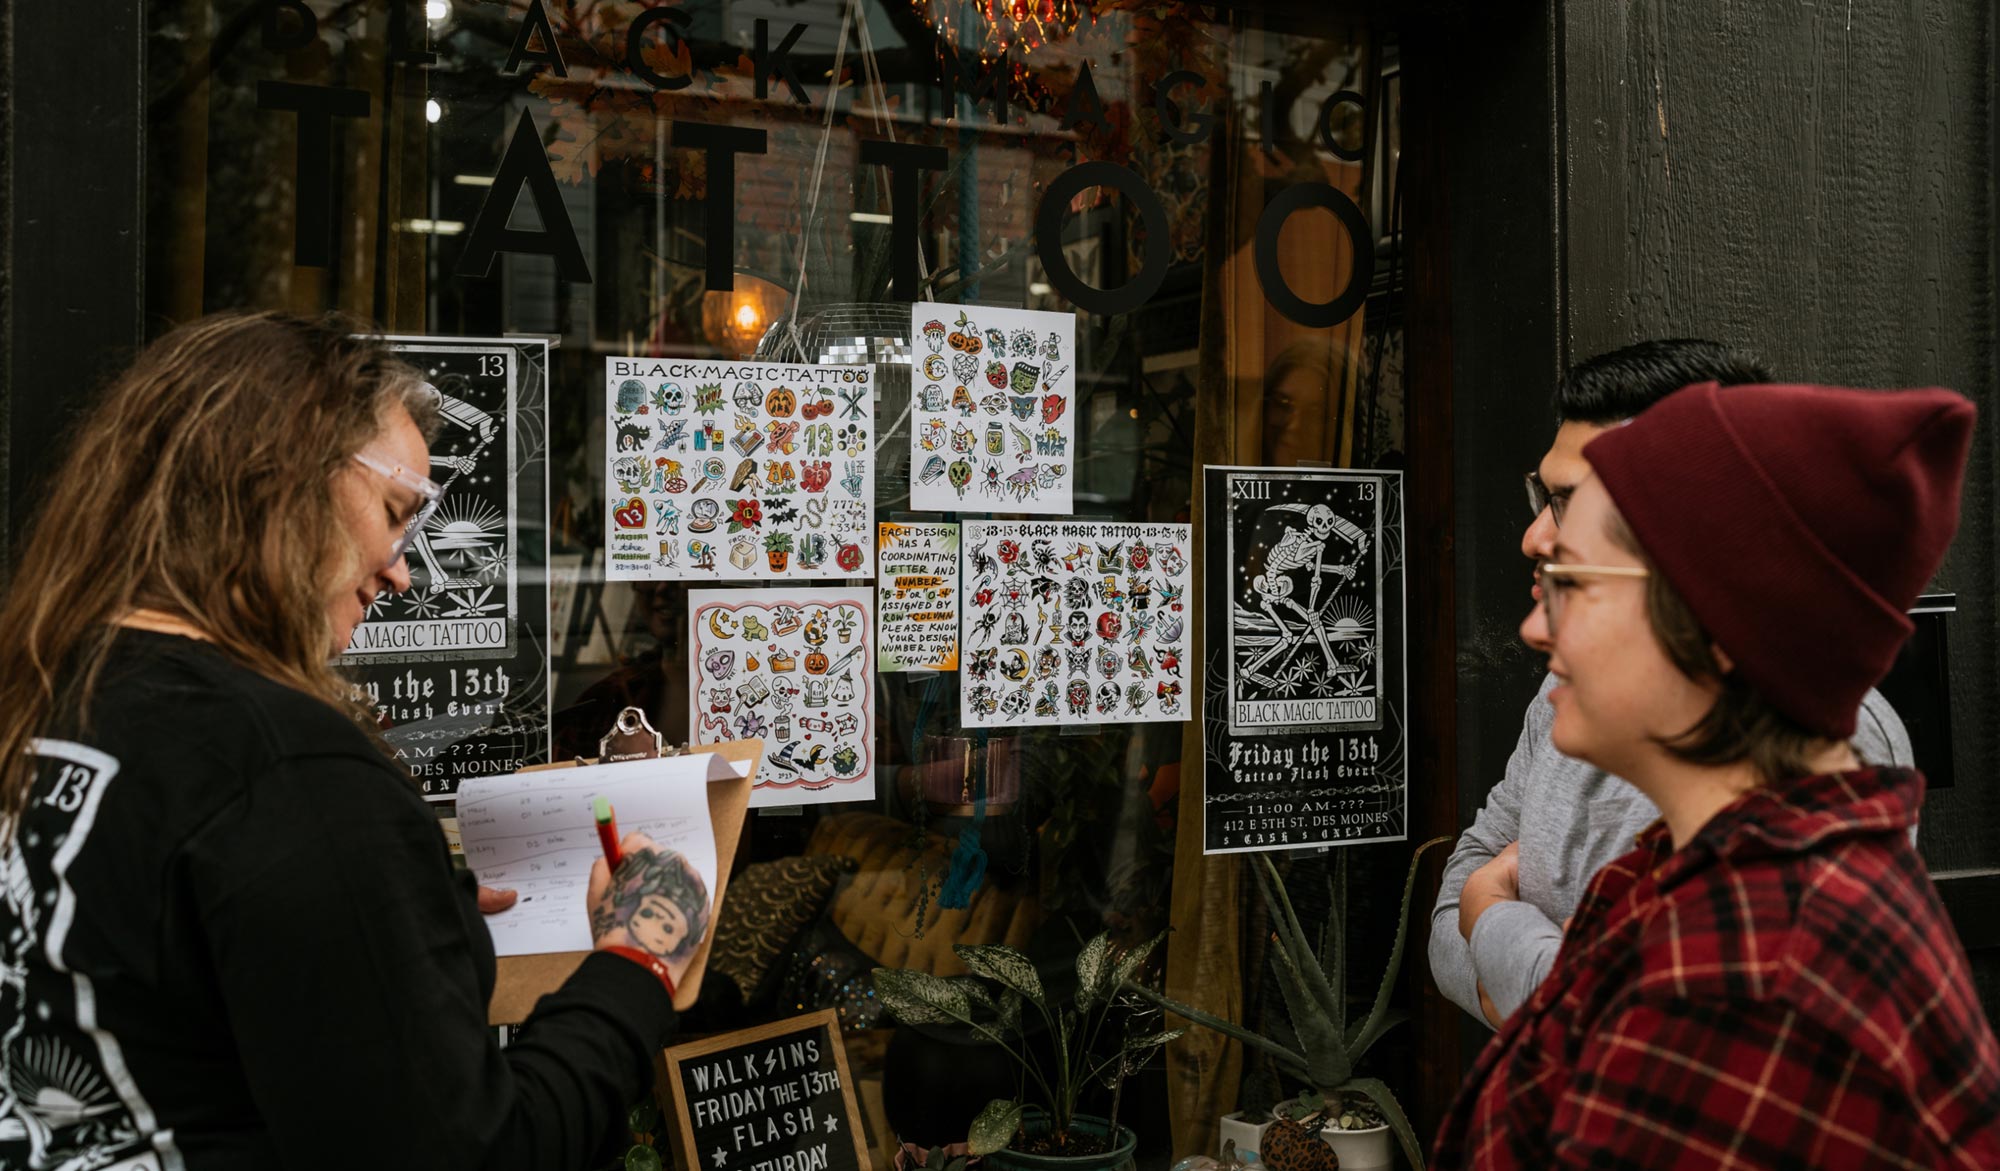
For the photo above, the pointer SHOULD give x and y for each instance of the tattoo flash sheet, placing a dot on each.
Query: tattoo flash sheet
(1073, 621)
(722, 471)
(993, 418)
(1304, 729)
(917, 598)
(794, 668)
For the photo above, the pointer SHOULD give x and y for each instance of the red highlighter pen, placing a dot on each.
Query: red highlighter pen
(607, 831)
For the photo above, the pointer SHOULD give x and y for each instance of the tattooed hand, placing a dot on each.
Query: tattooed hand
(656, 902)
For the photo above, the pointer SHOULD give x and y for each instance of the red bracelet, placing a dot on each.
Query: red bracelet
(649, 961)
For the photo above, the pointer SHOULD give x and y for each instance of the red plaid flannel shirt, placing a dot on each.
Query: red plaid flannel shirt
(1785, 991)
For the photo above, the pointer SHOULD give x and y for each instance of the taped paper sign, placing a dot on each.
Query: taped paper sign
(917, 598)
(795, 668)
(1074, 620)
(721, 471)
(992, 417)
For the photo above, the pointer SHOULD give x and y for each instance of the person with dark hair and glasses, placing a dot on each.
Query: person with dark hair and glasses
(1765, 978)
(1552, 821)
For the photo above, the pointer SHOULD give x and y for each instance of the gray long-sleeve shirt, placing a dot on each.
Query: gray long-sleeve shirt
(1570, 818)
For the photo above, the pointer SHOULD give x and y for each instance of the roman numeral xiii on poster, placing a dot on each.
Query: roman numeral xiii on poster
(1303, 719)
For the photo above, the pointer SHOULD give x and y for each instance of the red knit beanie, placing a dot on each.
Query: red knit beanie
(1798, 522)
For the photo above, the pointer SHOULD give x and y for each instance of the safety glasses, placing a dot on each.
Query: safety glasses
(427, 489)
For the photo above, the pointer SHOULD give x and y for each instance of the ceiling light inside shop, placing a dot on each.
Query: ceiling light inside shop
(473, 180)
(431, 227)
(432, 111)
(436, 10)
(1039, 289)
(870, 217)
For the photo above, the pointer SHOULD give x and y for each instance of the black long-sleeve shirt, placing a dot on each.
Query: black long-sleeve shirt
(231, 937)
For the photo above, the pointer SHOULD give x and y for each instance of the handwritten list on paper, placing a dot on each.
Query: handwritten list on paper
(533, 832)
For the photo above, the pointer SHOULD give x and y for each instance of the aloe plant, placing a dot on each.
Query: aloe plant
(1314, 986)
(1103, 981)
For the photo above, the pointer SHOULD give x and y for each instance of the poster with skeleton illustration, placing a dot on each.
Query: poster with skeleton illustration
(795, 668)
(727, 471)
(1304, 696)
(992, 418)
(1068, 621)
(456, 667)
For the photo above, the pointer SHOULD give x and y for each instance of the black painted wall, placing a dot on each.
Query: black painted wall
(1813, 182)
(72, 202)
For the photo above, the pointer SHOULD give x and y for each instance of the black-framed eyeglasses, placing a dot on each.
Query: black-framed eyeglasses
(1540, 496)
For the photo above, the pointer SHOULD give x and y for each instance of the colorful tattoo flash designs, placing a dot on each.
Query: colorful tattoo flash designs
(719, 471)
(794, 668)
(992, 423)
(1074, 622)
(917, 597)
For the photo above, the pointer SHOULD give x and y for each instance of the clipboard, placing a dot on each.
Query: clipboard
(523, 980)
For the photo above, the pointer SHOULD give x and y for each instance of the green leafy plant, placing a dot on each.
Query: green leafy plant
(1075, 1028)
(645, 1122)
(778, 542)
(1314, 986)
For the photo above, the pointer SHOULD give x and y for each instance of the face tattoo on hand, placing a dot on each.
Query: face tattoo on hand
(660, 902)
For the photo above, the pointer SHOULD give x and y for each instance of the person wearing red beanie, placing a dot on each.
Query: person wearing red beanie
(1769, 978)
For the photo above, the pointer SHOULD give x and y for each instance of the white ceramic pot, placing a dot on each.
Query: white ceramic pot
(1373, 1149)
(1248, 1136)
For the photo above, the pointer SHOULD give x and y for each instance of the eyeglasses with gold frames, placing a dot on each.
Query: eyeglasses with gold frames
(1556, 579)
(428, 491)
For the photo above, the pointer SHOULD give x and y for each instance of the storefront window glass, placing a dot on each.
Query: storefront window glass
(1240, 277)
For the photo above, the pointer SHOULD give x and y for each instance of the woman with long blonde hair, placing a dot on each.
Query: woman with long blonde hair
(230, 933)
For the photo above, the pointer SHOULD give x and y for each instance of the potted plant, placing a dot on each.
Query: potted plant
(1354, 1115)
(778, 550)
(1049, 1132)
